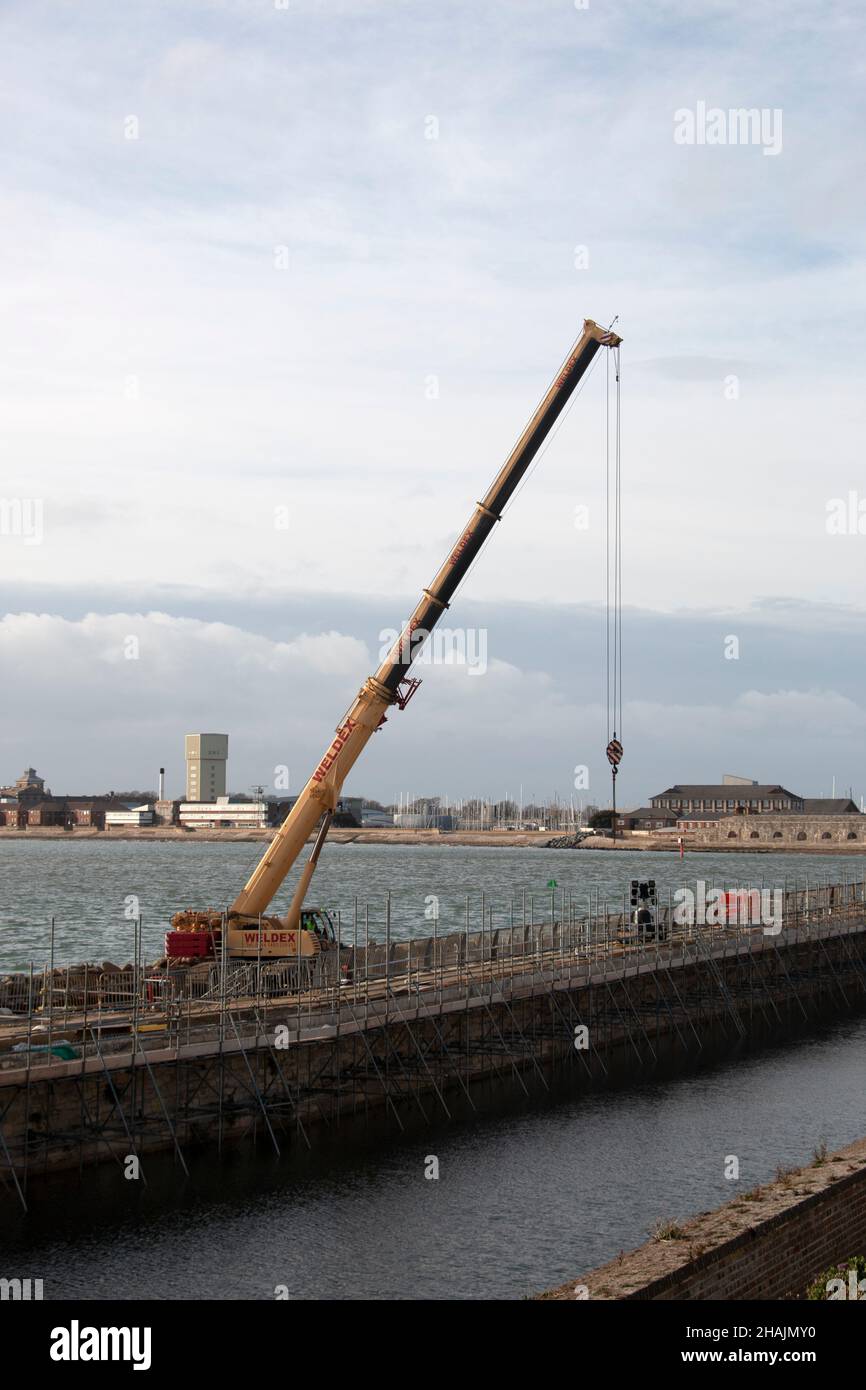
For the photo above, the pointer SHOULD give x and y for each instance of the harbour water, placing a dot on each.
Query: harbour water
(525, 1199)
(95, 889)
(523, 1202)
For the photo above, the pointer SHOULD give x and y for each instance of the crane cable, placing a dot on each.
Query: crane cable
(613, 573)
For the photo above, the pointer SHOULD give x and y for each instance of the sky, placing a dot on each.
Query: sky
(282, 283)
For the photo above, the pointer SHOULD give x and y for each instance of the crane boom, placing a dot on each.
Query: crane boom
(390, 685)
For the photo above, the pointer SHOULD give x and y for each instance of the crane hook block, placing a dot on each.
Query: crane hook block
(614, 753)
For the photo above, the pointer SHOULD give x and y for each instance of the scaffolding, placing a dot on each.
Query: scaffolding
(98, 1066)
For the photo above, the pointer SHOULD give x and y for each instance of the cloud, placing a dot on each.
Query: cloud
(794, 710)
(167, 647)
(158, 355)
(167, 388)
(755, 712)
(131, 684)
(101, 701)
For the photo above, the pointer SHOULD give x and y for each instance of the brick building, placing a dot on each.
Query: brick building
(28, 802)
(647, 818)
(728, 798)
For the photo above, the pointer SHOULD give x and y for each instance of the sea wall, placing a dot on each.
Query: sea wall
(281, 1070)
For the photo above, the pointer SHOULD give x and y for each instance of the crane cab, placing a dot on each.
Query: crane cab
(321, 924)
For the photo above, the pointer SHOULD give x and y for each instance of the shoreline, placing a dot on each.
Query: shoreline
(475, 839)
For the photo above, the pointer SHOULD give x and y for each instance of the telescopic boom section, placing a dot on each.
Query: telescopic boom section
(389, 685)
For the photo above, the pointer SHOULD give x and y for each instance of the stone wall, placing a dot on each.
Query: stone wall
(781, 830)
(645, 1016)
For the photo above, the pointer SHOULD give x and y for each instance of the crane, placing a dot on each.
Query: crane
(304, 930)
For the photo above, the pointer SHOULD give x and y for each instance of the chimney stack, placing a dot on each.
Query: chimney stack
(162, 784)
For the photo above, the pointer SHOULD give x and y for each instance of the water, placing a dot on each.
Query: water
(95, 888)
(523, 1202)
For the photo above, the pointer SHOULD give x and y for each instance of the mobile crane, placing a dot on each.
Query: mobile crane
(306, 932)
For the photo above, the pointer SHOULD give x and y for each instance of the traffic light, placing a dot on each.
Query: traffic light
(643, 891)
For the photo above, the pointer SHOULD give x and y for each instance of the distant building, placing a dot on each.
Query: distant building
(86, 810)
(30, 782)
(48, 812)
(222, 813)
(28, 803)
(352, 806)
(421, 820)
(647, 818)
(206, 757)
(27, 789)
(12, 813)
(688, 798)
(59, 812)
(349, 810)
(783, 829)
(377, 819)
(700, 820)
(830, 806)
(134, 818)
